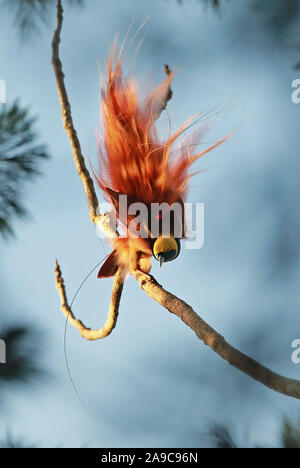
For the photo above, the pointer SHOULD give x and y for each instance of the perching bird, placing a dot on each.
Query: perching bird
(136, 163)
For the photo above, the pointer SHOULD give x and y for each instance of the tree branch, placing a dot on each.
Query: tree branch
(113, 312)
(173, 304)
(102, 220)
(161, 99)
(214, 340)
(87, 181)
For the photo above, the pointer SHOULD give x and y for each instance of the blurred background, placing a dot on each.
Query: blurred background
(151, 383)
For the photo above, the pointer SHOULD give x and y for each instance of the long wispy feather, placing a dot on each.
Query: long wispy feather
(133, 160)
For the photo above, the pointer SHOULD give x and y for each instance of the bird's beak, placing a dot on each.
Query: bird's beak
(161, 261)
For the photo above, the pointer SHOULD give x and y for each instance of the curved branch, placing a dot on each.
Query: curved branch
(102, 220)
(68, 121)
(113, 312)
(87, 181)
(168, 300)
(215, 341)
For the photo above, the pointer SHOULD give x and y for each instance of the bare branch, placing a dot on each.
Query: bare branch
(113, 312)
(82, 170)
(68, 121)
(102, 220)
(168, 300)
(215, 341)
(162, 95)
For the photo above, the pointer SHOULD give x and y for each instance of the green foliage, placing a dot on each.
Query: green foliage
(29, 15)
(19, 159)
(290, 433)
(221, 437)
(214, 3)
(22, 355)
(279, 15)
(11, 442)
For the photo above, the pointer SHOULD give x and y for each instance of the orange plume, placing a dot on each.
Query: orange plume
(132, 159)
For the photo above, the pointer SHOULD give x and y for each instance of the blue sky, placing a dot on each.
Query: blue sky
(152, 382)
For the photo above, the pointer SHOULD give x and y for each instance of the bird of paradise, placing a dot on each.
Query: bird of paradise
(135, 162)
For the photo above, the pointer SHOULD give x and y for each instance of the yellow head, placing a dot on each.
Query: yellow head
(166, 249)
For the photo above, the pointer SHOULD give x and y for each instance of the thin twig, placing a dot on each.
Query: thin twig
(102, 220)
(160, 99)
(113, 312)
